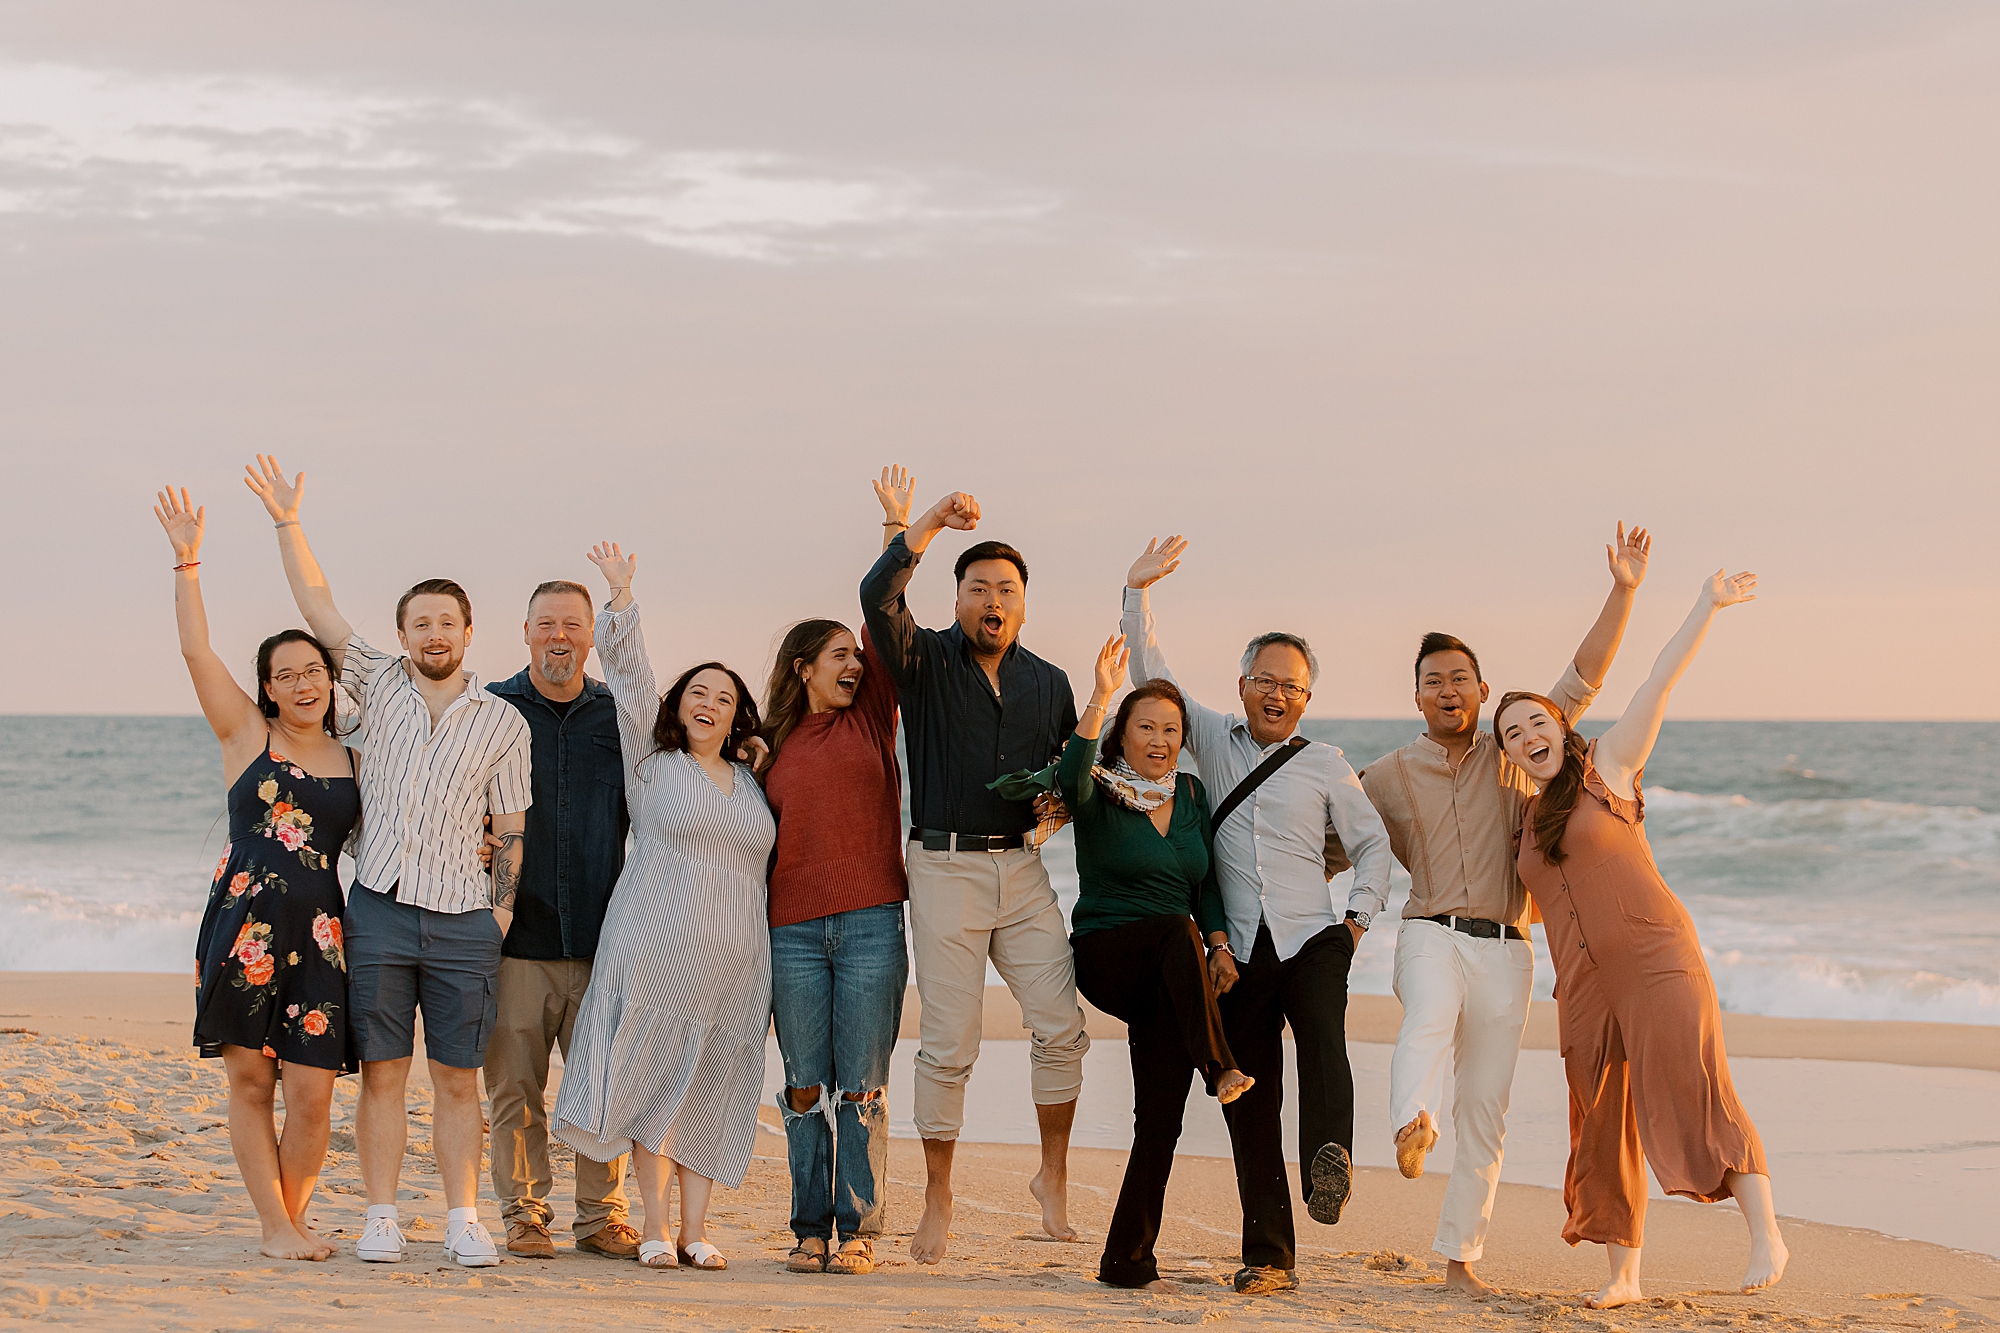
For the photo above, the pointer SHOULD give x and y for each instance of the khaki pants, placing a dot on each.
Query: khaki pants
(538, 1002)
(1465, 1004)
(966, 907)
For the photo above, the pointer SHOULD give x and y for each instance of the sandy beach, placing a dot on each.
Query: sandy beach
(121, 1210)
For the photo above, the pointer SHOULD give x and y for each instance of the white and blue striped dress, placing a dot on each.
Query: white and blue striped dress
(668, 1050)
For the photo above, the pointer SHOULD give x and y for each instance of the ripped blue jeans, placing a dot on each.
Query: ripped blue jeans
(837, 998)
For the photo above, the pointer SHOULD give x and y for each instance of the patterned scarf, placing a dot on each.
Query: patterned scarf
(1123, 784)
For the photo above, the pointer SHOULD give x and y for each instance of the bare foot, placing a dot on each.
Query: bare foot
(1414, 1142)
(1460, 1277)
(1233, 1084)
(1767, 1263)
(1158, 1284)
(1617, 1292)
(328, 1248)
(289, 1244)
(933, 1233)
(1053, 1195)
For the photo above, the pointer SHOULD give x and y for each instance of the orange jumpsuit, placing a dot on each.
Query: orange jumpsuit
(1641, 1026)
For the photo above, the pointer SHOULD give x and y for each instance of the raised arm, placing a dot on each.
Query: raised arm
(884, 609)
(232, 715)
(1073, 769)
(1627, 558)
(895, 490)
(1623, 750)
(309, 588)
(621, 648)
(1149, 662)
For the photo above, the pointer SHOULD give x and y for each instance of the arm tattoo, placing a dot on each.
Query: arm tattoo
(507, 858)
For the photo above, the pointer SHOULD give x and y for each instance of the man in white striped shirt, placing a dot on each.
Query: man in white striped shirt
(424, 923)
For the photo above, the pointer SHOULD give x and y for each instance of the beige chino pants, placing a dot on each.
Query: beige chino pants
(967, 907)
(538, 1003)
(1465, 1006)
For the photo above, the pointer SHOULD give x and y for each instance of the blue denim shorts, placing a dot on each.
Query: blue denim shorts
(402, 958)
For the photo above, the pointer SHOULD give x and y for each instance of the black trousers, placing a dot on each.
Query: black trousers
(1308, 991)
(1152, 974)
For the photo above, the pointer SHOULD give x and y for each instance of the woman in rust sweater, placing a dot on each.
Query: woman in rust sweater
(839, 961)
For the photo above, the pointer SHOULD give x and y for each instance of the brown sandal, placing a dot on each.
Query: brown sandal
(856, 1257)
(803, 1260)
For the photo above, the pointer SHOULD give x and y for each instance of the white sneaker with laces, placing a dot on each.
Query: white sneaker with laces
(471, 1244)
(381, 1242)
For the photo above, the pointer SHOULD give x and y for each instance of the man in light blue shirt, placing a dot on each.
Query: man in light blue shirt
(1285, 956)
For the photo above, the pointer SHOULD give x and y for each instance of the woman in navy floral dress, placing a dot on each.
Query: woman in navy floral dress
(270, 966)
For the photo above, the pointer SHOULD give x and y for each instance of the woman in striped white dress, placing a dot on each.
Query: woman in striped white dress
(668, 1057)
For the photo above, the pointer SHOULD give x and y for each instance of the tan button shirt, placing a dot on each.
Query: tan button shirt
(1453, 829)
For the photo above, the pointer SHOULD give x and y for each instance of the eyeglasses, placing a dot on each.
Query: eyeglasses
(1271, 685)
(312, 675)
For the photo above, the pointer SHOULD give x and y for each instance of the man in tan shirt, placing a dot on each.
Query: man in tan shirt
(1464, 967)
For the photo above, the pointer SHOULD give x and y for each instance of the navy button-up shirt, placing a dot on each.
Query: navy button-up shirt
(960, 735)
(575, 844)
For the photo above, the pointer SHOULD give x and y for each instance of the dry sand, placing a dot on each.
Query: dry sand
(119, 1207)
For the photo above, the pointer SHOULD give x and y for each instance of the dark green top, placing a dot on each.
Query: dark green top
(1127, 871)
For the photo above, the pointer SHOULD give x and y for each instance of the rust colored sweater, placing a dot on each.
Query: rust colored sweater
(837, 793)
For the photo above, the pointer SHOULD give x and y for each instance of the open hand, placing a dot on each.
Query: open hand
(612, 562)
(895, 490)
(281, 498)
(183, 523)
(957, 510)
(1628, 556)
(756, 752)
(1161, 557)
(1111, 659)
(1725, 589)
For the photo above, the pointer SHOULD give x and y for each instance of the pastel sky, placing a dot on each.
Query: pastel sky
(1393, 308)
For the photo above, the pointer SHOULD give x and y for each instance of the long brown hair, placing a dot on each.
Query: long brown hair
(1561, 792)
(785, 703)
(1112, 747)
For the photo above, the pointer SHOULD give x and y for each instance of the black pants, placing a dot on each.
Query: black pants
(1309, 991)
(1152, 974)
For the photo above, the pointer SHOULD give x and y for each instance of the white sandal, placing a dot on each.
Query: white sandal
(652, 1253)
(704, 1256)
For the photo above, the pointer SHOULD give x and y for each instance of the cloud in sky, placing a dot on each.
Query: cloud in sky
(77, 142)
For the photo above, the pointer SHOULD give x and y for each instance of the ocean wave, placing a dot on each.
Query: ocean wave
(44, 929)
(1940, 832)
(1807, 987)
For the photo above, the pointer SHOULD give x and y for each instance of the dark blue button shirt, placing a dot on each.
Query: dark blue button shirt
(575, 844)
(959, 735)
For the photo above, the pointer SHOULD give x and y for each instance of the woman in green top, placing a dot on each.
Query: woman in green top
(1144, 859)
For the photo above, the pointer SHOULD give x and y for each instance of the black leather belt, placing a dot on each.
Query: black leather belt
(1478, 929)
(937, 840)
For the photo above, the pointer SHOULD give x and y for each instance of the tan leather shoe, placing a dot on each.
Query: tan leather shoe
(614, 1240)
(529, 1240)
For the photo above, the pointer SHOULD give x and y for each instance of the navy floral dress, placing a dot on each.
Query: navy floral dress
(270, 962)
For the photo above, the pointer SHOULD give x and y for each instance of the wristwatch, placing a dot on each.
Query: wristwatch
(1361, 919)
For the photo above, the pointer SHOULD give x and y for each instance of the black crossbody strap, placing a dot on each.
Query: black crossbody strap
(1276, 760)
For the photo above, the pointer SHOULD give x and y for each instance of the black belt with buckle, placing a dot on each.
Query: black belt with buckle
(937, 840)
(1478, 929)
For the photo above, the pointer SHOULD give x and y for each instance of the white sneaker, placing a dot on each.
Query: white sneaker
(381, 1242)
(472, 1245)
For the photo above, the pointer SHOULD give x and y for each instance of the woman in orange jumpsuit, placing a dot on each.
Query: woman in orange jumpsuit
(1641, 1027)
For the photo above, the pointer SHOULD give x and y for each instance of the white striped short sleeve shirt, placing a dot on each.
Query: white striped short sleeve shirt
(425, 791)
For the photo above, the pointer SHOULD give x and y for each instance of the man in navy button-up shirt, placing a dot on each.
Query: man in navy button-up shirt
(574, 852)
(976, 704)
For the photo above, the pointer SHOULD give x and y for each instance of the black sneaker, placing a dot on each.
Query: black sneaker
(1332, 1181)
(1265, 1281)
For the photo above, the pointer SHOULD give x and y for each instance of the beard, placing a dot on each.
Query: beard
(442, 672)
(558, 670)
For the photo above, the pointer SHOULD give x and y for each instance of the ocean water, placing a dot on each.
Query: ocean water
(1834, 869)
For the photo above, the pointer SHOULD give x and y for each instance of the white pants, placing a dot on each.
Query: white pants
(1466, 998)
